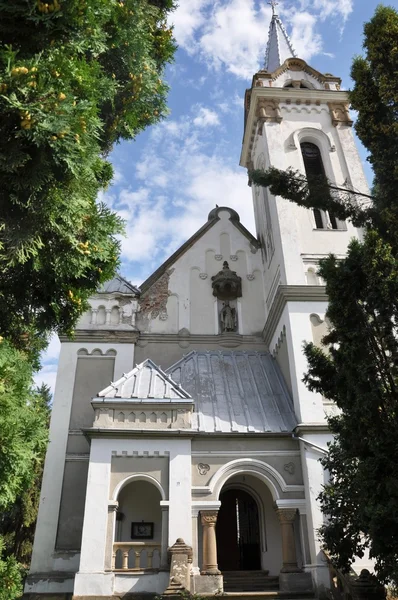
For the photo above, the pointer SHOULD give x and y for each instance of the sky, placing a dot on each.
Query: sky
(169, 178)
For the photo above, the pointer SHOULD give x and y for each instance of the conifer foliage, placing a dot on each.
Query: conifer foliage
(76, 77)
(360, 371)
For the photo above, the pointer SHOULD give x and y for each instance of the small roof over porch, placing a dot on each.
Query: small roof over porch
(235, 391)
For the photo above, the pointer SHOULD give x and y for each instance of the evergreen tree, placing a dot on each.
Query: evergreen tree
(76, 76)
(24, 416)
(359, 372)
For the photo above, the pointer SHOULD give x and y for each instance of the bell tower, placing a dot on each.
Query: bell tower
(298, 117)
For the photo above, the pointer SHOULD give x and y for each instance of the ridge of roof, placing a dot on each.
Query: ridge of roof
(119, 285)
(147, 381)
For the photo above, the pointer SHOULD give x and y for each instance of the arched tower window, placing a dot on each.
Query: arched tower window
(314, 169)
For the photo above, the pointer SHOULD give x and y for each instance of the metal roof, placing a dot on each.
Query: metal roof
(119, 285)
(146, 382)
(235, 391)
(279, 47)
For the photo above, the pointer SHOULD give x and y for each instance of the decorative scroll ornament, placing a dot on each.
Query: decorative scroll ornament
(227, 285)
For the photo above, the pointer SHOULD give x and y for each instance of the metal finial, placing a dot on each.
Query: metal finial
(273, 4)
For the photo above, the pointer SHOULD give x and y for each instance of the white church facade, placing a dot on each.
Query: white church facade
(179, 408)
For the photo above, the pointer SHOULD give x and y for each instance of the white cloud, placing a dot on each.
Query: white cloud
(206, 118)
(235, 37)
(47, 375)
(305, 40)
(49, 360)
(196, 176)
(232, 34)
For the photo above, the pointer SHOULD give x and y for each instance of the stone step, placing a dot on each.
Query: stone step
(240, 574)
(249, 581)
(268, 595)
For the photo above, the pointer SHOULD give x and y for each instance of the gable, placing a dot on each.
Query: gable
(180, 295)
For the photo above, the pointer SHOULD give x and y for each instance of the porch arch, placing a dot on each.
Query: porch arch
(248, 466)
(137, 477)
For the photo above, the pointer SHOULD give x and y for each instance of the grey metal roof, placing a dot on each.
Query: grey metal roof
(279, 47)
(120, 285)
(146, 381)
(235, 391)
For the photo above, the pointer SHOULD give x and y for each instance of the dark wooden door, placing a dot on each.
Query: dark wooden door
(238, 533)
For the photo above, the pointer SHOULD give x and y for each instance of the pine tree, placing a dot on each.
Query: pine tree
(360, 371)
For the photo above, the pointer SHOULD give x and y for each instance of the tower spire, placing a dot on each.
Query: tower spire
(279, 46)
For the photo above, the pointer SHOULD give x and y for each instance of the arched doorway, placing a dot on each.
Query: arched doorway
(238, 532)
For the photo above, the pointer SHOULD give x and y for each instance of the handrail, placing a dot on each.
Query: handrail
(350, 586)
(124, 548)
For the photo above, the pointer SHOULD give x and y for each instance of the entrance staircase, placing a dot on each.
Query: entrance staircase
(257, 585)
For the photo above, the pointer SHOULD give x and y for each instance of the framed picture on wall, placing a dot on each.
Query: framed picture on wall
(141, 531)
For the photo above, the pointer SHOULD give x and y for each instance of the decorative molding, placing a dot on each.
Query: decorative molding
(340, 113)
(268, 111)
(203, 468)
(104, 336)
(290, 468)
(245, 453)
(233, 257)
(140, 454)
(218, 256)
(290, 293)
(77, 457)
(250, 277)
(203, 276)
(98, 432)
(185, 339)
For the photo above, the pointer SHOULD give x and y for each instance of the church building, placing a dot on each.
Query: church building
(179, 409)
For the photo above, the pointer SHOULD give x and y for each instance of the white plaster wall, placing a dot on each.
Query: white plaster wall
(91, 579)
(191, 282)
(47, 522)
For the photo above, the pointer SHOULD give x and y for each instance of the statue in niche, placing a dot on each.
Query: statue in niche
(228, 318)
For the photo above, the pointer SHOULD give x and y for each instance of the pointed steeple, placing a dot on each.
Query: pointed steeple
(279, 46)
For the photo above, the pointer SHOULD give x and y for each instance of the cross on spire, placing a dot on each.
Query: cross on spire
(273, 4)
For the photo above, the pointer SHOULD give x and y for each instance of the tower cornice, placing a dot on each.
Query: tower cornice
(262, 104)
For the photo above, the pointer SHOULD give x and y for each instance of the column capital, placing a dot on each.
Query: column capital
(113, 506)
(286, 515)
(209, 517)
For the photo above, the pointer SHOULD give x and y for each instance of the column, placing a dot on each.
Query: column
(286, 519)
(165, 534)
(110, 536)
(209, 520)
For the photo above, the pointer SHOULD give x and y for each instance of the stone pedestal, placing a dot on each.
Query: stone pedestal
(209, 520)
(180, 568)
(286, 519)
(366, 587)
(295, 582)
(207, 584)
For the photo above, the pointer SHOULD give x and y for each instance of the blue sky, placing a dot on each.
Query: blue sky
(172, 175)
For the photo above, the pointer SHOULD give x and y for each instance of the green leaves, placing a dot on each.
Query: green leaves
(76, 76)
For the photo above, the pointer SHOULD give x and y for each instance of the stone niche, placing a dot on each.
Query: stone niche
(227, 288)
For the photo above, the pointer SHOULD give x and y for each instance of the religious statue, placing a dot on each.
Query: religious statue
(228, 318)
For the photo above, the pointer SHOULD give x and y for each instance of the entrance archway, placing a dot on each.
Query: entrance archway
(238, 532)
